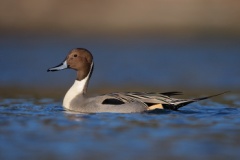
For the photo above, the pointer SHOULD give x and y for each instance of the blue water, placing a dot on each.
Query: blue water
(33, 128)
(145, 61)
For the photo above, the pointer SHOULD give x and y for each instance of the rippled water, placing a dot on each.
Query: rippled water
(39, 128)
(33, 128)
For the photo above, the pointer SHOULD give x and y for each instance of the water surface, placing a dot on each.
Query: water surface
(39, 128)
(208, 62)
(35, 126)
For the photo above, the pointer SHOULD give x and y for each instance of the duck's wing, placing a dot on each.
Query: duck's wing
(153, 100)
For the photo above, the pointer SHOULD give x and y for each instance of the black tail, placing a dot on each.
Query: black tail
(185, 102)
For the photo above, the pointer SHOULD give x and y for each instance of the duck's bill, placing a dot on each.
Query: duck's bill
(58, 67)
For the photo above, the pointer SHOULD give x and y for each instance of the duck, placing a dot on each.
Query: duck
(76, 98)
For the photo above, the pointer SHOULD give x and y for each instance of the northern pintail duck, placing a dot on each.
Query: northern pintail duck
(76, 99)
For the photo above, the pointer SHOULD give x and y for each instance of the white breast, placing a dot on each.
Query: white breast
(76, 89)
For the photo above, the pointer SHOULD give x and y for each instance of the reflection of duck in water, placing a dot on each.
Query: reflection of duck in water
(76, 99)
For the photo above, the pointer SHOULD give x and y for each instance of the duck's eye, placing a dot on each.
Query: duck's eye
(75, 55)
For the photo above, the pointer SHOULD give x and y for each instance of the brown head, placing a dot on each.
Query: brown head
(78, 59)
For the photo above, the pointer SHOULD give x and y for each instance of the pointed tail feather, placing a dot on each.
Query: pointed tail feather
(182, 103)
(207, 97)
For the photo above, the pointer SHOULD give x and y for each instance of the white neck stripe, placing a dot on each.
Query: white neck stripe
(77, 88)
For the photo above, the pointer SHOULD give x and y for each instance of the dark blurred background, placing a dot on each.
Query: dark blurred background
(157, 45)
